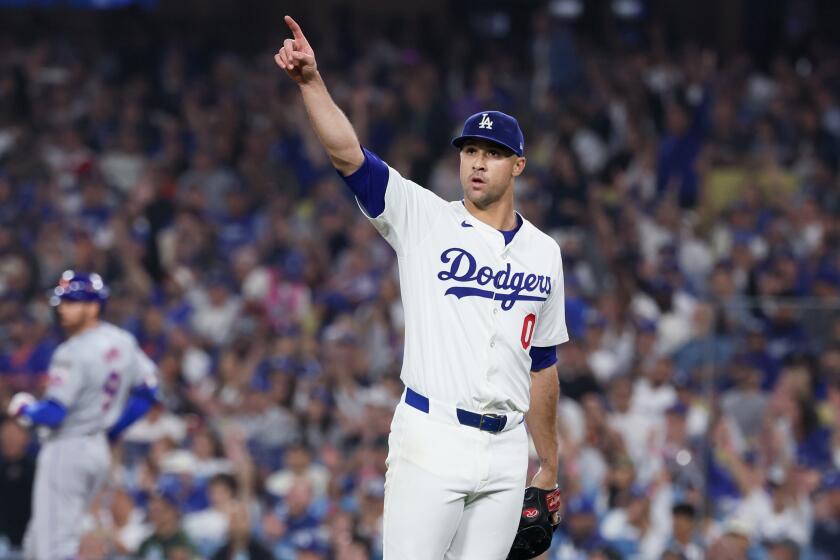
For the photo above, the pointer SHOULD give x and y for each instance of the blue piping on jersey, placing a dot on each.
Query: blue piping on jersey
(508, 235)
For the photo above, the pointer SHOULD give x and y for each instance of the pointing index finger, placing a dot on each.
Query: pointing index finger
(297, 33)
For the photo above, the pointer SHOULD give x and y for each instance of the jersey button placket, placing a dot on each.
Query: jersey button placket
(504, 258)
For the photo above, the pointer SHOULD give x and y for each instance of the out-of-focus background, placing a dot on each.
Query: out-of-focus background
(684, 154)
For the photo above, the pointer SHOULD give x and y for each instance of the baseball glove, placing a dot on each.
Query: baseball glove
(540, 516)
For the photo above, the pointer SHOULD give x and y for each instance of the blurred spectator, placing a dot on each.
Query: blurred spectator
(294, 523)
(637, 429)
(685, 537)
(17, 473)
(784, 549)
(241, 543)
(207, 529)
(638, 529)
(129, 526)
(298, 467)
(745, 403)
(158, 424)
(168, 539)
(826, 537)
(653, 393)
(734, 543)
(579, 534)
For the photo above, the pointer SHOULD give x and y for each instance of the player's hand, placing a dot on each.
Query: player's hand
(296, 57)
(545, 480)
(17, 407)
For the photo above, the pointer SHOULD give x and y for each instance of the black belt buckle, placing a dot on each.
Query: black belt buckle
(490, 418)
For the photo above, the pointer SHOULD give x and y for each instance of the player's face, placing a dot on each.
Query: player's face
(487, 172)
(76, 315)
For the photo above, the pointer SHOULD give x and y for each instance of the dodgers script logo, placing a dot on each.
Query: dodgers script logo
(463, 268)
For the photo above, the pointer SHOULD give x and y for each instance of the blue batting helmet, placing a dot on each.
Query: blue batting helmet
(74, 286)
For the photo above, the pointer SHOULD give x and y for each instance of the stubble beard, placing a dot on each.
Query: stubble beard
(75, 325)
(484, 200)
(70, 328)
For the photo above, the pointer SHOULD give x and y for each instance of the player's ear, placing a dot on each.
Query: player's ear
(519, 166)
(93, 310)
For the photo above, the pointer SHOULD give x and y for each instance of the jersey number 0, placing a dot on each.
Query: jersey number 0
(528, 330)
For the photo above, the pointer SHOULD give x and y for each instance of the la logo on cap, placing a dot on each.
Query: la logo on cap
(485, 122)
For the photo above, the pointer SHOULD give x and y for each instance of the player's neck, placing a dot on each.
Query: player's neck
(499, 215)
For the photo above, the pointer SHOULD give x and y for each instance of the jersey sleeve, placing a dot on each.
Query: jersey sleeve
(368, 183)
(65, 378)
(551, 323)
(408, 211)
(542, 357)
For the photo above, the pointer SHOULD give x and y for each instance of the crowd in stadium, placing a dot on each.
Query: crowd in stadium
(695, 198)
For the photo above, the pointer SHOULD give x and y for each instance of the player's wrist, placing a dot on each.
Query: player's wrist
(313, 81)
(545, 479)
(550, 466)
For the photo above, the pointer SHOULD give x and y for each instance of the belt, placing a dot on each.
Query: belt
(493, 423)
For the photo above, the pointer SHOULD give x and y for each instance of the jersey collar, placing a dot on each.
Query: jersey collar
(471, 220)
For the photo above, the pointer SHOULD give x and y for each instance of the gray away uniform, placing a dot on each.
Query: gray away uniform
(91, 375)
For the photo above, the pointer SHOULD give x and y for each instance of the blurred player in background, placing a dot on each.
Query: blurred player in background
(99, 382)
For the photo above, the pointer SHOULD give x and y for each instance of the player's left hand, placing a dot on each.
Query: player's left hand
(17, 406)
(540, 517)
(545, 480)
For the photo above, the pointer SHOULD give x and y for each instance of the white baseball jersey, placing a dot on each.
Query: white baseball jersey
(92, 373)
(474, 306)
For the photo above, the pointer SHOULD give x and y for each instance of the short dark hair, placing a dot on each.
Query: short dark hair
(227, 480)
(685, 509)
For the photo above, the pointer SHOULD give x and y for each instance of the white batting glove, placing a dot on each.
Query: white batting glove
(17, 405)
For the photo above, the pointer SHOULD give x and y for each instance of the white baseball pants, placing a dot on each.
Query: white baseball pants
(68, 474)
(451, 491)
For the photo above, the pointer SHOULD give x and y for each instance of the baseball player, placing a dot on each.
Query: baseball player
(99, 382)
(482, 290)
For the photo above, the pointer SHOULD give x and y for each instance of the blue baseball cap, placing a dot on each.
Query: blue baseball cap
(493, 126)
(74, 286)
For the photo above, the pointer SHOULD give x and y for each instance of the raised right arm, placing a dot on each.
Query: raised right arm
(329, 122)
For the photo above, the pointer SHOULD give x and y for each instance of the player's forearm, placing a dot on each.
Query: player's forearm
(542, 417)
(332, 127)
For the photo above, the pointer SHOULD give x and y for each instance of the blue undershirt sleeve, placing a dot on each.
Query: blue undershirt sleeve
(142, 399)
(47, 413)
(543, 357)
(368, 183)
